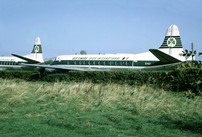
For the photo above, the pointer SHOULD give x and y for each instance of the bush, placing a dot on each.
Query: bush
(55, 77)
(188, 77)
(11, 74)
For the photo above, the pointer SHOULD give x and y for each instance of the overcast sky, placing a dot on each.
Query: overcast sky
(96, 26)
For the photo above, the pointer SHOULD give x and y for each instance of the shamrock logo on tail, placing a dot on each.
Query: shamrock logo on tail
(36, 49)
(171, 42)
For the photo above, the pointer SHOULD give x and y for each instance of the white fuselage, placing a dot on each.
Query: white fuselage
(10, 62)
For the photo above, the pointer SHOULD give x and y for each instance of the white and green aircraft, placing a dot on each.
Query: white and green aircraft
(168, 55)
(15, 62)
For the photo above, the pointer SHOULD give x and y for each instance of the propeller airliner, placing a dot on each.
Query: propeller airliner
(168, 55)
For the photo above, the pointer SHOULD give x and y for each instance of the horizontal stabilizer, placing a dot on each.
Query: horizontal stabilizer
(163, 57)
(30, 61)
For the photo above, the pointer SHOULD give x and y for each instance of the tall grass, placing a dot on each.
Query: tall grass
(88, 109)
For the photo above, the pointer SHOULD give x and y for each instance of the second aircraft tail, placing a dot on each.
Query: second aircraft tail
(36, 55)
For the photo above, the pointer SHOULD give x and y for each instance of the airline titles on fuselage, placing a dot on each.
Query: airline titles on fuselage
(100, 58)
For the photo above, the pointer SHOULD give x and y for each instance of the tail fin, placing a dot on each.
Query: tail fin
(172, 38)
(172, 44)
(36, 55)
(37, 46)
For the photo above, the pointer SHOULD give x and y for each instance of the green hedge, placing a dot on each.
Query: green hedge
(11, 74)
(181, 79)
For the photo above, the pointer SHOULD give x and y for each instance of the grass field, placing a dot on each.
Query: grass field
(39, 109)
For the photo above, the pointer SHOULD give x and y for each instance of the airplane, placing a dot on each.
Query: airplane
(167, 56)
(15, 62)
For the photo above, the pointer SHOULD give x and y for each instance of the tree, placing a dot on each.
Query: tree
(83, 52)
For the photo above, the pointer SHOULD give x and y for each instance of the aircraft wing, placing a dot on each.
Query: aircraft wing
(31, 61)
(61, 67)
(163, 57)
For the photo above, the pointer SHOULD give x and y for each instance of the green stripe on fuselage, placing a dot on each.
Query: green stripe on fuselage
(106, 62)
